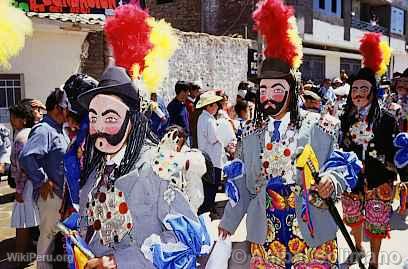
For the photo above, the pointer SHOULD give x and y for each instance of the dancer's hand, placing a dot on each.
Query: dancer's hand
(105, 262)
(47, 189)
(19, 197)
(325, 187)
(223, 233)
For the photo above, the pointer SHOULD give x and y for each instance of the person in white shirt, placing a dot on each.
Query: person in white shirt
(210, 143)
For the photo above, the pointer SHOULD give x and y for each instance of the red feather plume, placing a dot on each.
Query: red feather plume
(371, 52)
(272, 22)
(128, 34)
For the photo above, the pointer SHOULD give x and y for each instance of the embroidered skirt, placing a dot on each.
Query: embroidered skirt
(372, 209)
(284, 246)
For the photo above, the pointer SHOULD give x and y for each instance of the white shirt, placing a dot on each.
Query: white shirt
(208, 140)
(282, 127)
(225, 130)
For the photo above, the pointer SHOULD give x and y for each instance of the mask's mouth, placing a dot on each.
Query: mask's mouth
(114, 139)
(272, 107)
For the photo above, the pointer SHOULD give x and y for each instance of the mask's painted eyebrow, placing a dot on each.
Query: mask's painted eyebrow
(277, 84)
(110, 111)
(273, 86)
(91, 110)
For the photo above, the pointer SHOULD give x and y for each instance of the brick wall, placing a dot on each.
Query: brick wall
(94, 56)
(184, 15)
(221, 17)
(234, 18)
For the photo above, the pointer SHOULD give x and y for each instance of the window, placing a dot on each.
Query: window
(328, 7)
(351, 66)
(11, 88)
(397, 21)
(334, 6)
(322, 4)
(313, 68)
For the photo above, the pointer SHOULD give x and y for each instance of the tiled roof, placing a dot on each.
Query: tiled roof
(91, 19)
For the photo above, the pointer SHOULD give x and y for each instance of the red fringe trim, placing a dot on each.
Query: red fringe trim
(377, 236)
(354, 225)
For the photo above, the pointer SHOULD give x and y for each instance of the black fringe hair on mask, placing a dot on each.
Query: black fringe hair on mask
(138, 136)
(348, 118)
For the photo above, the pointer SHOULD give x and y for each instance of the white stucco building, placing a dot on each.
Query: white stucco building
(331, 35)
(50, 55)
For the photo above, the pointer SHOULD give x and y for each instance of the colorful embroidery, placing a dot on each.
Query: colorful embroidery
(109, 215)
(276, 201)
(377, 208)
(284, 247)
(296, 246)
(352, 209)
(361, 133)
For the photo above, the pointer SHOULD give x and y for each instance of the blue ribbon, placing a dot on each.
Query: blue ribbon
(401, 157)
(191, 235)
(72, 223)
(233, 170)
(72, 164)
(348, 163)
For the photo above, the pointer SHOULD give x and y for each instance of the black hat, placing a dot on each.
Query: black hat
(75, 86)
(114, 81)
(405, 74)
(274, 68)
(364, 74)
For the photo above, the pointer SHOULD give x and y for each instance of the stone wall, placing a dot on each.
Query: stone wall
(184, 15)
(219, 62)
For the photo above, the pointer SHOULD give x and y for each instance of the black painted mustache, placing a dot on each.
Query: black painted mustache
(270, 102)
(114, 139)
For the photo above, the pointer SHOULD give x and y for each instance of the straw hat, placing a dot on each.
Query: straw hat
(208, 98)
(312, 95)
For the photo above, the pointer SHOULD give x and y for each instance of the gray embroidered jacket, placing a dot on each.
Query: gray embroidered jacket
(252, 200)
(144, 194)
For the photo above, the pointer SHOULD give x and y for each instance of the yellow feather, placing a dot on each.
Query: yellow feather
(297, 42)
(386, 52)
(14, 27)
(165, 43)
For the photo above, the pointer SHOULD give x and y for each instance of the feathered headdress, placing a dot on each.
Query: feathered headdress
(376, 53)
(141, 44)
(14, 27)
(277, 24)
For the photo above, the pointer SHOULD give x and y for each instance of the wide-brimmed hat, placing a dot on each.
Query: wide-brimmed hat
(312, 95)
(342, 90)
(208, 98)
(114, 81)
